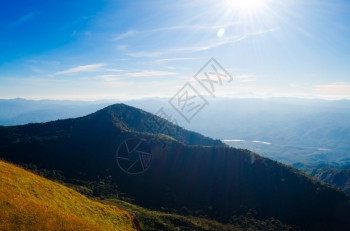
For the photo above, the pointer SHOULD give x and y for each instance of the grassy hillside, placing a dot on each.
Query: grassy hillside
(30, 202)
(155, 220)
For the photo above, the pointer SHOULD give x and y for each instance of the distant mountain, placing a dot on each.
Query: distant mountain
(337, 177)
(312, 132)
(30, 202)
(315, 133)
(187, 172)
(22, 111)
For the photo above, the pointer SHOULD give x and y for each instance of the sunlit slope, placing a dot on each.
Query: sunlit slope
(154, 220)
(31, 202)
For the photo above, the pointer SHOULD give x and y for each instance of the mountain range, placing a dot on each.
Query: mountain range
(305, 133)
(178, 170)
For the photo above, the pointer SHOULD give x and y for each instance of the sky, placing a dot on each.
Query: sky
(110, 49)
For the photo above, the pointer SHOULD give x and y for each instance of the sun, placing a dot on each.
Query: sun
(246, 6)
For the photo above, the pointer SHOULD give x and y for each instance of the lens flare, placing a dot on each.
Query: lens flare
(221, 32)
(247, 6)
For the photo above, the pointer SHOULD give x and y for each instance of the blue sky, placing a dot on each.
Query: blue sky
(133, 49)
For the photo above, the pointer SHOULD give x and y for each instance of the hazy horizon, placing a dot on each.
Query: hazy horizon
(167, 98)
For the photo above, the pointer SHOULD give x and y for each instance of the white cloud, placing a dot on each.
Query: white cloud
(143, 73)
(260, 32)
(188, 49)
(173, 59)
(83, 68)
(111, 69)
(124, 35)
(293, 85)
(245, 78)
(342, 88)
(122, 47)
(131, 33)
(210, 44)
(34, 68)
(108, 78)
(43, 62)
(148, 54)
(149, 73)
(22, 19)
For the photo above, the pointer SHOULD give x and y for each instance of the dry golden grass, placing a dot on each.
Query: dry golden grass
(31, 202)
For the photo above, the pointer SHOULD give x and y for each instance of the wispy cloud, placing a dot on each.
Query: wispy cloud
(125, 35)
(173, 59)
(147, 54)
(131, 33)
(111, 74)
(108, 78)
(188, 49)
(245, 78)
(83, 68)
(111, 69)
(260, 32)
(149, 73)
(34, 68)
(143, 73)
(207, 45)
(43, 62)
(341, 88)
(22, 19)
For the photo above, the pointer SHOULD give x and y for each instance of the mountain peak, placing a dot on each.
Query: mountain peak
(133, 119)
